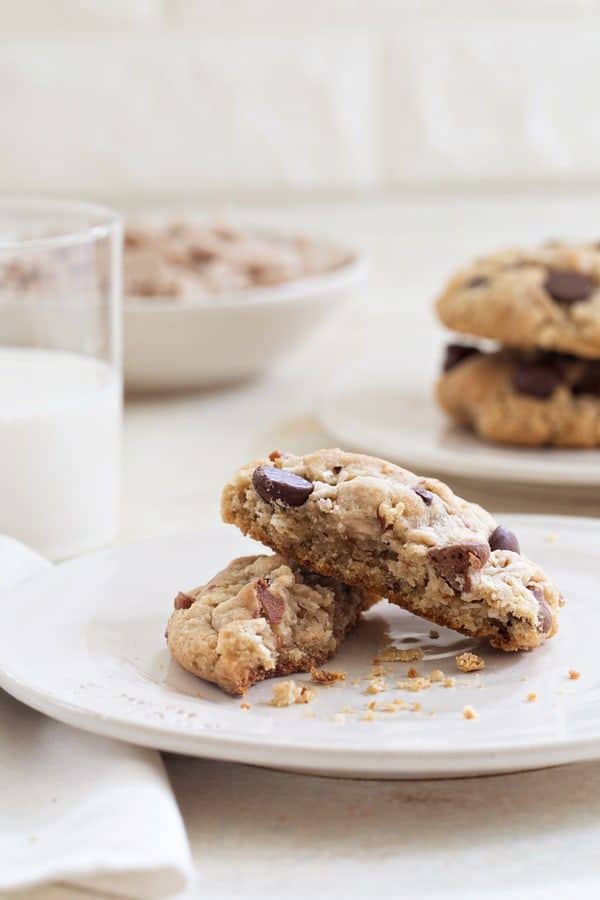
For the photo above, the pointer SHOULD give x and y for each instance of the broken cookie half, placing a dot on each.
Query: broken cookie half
(260, 617)
(381, 528)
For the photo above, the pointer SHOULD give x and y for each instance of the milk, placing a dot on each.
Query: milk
(60, 426)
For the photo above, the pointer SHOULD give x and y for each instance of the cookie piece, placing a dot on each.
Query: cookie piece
(548, 298)
(366, 522)
(261, 616)
(531, 399)
(189, 259)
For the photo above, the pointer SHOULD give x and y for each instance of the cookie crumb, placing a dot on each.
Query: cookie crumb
(414, 684)
(395, 706)
(416, 707)
(245, 706)
(469, 713)
(574, 675)
(396, 654)
(326, 676)
(412, 673)
(436, 675)
(449, 681)
(531, 697)
(289, 692)
(372, 704)
(469, 662)
(375, 686)
(368, 716)
(433, 634)
(377, 671)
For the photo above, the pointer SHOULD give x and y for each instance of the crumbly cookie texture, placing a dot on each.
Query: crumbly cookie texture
(547, 298)
(534, 399)
(411, 539)
(261, 616)
(469, 662)
(286, 693)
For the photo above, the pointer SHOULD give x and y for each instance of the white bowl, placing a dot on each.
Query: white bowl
(175, 344)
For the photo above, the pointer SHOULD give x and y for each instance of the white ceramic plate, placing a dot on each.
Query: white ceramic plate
(392, 413)
(84, 643)
(172, 344)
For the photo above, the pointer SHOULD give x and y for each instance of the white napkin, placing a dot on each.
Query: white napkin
(78, 808)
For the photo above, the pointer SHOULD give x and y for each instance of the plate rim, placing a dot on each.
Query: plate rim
(452, 462)
(350, 273)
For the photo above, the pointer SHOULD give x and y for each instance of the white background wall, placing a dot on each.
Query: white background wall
(169, 99)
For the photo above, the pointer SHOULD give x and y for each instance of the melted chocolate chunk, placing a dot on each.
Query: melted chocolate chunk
(544, 611)
(456, 563)
(504, 628)
(537, 379)
(280, 486)
(477, 281)
(456, 353)
(544, 617)
(425, 495)
(589, 381)
(271, 605)
(568, 287)
(182, 601)
(503, 539)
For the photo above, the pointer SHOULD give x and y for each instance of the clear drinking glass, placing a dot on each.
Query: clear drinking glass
(60, 374)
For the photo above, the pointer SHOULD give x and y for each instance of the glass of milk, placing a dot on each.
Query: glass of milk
(60, 374)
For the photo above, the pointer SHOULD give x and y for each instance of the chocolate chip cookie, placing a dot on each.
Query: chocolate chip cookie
(381, 528)
(547, 299)
(261, 616)
(534, 399)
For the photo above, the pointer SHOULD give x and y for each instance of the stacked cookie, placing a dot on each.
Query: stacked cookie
(348, 529)
(541, 386)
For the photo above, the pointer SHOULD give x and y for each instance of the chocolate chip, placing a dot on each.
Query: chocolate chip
(272, 606)
(281, 486)
(503, 539)
(477, 281)
(456, 353)
(456, 563)
(337, 469)
(568, 287)
(559, 361)
(425, 495)
(536, 379)
(201, 255)
(182, 601)
(589, 381)
(504, 628)
(389, 554)
(544, 612)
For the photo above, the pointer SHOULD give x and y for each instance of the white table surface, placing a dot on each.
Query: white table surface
(257, 833)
